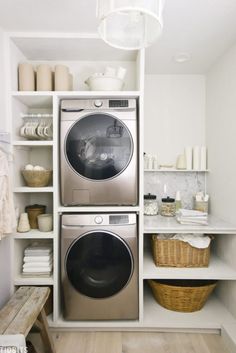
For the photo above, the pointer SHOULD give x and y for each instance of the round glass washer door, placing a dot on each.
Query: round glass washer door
(99, 264)
(98, 146)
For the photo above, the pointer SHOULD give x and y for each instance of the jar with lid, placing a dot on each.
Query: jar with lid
(150, 205)
(168, 207)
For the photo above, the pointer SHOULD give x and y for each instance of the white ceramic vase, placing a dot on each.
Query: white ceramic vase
(23, 225)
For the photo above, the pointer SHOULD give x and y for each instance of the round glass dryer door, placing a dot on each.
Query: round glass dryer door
(98, 146)
(99, 264)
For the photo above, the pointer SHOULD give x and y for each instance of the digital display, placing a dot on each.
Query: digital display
(119, 219)
(115, 103)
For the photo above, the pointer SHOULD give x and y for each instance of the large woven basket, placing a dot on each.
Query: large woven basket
(182, 295)
(37, 178)
(177, 253)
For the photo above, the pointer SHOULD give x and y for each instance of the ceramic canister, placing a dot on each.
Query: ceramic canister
(44, 78)
(61, 78)
(26, 77)
(45, 222)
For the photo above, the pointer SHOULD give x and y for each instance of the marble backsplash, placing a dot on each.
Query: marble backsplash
(187, 183)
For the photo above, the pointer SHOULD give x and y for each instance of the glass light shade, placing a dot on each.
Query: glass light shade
(130, 24)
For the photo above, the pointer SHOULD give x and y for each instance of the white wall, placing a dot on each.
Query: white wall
(5, 271)
(174, 114)
(221, 141)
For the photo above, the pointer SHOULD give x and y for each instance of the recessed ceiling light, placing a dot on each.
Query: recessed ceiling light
(182, 57)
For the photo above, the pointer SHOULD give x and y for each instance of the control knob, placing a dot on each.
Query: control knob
(98, 219)
(98, 103)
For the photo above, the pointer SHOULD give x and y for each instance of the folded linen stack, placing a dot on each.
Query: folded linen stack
(192, 217)
(37, 261)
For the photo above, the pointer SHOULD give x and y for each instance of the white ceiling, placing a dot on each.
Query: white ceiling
(204, 28)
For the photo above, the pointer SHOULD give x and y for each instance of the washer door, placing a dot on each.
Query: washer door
(98, 147)
(99, 264)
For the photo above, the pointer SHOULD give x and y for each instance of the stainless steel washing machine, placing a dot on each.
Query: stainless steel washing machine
(98, 152)
(99, 266)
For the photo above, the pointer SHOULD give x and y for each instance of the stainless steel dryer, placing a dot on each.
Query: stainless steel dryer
(98, 152)
(99, 266)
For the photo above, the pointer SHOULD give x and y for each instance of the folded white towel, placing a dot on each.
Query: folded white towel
(38, 269)
(37, 258)
(37, 251)
(191, 213)
(37, 264)
(190, 222)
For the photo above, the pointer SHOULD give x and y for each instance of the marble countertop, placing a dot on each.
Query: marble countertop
(160, 224)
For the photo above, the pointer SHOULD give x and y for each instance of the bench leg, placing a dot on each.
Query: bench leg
(45, 334)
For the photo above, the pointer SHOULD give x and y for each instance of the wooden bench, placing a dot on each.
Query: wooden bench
(24, 310)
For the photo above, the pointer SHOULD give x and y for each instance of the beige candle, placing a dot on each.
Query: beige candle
(44, 78)
(26, 77)
(62, 78)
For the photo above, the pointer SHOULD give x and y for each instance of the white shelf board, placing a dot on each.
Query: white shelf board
(211, 316)
(31, 189)
(33, 281)
(34, 234)
(217, 269)
(34, 99)
(99, 209)
(172, 170)
(32, 143)
(97, 94)
(160, 224)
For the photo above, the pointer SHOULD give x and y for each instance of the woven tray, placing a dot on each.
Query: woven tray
(182, 295)
(177, 253)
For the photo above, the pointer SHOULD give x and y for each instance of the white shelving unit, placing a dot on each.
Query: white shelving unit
(86, 55)
(173, 170)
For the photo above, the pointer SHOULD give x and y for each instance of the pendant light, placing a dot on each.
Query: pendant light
(130, 24)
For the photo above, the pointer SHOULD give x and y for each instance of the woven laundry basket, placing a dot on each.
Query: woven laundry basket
(182, 295)
(177, 253)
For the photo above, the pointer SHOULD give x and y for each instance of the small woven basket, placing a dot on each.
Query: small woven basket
(37, 178)
(182, 295)
(177, 253)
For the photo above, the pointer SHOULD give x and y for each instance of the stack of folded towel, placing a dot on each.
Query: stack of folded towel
(37, 261)
(192, 217)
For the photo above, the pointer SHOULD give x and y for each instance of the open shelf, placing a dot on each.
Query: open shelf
(211, 316)
(34, 234)
(33, 100)
(170, 170)
(33, 281)
(31, 143)
(217, 269)
(31, 189)
(160, 224)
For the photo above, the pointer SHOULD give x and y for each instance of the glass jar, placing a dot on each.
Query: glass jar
(150, 205)
(168, 207)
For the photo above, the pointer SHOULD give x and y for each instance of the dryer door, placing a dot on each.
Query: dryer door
(98, 146)
(99, 264)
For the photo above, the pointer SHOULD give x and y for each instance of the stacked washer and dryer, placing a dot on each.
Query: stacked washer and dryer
(98, 166)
